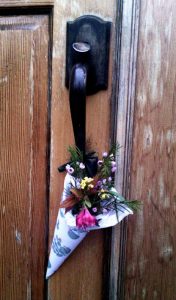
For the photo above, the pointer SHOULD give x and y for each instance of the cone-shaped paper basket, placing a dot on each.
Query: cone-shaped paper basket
(67, 236)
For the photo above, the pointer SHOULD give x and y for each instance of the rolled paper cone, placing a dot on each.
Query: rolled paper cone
(65, 240)
(67, 236)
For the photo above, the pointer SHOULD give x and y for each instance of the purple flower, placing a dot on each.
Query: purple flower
(105, 154)
(100, 162)
(82, 166)
(110, 179)
(94, 209)
(98, 184)
(69, 169)
(104, 181)
(113, 169)
(113, 163)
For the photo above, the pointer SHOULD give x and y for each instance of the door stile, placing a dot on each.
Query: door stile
(122, 111)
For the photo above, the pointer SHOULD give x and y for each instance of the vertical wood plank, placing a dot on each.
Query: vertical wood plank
(151, 257)
(122, 126)
(72, 281)
(23, 138)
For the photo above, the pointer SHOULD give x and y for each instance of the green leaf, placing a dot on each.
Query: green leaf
(114, 149)
(134, 205)
(75, 153)
(88, 203)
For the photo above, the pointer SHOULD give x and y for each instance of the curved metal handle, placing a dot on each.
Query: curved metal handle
(77, 87)
(78, 82)
(77, 97)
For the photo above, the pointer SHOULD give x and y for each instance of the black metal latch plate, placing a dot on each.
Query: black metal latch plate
(96, 32)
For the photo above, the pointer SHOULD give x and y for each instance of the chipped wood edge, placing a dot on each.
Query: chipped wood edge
(123, 99)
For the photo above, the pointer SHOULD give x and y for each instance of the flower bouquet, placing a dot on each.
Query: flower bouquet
(89, 202)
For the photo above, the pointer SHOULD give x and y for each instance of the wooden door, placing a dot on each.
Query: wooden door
(36, 130)
(132, 261)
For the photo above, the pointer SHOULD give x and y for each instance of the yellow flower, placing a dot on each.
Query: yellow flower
(90, 186)
(103, 196)
(88, 179)
(85, 183)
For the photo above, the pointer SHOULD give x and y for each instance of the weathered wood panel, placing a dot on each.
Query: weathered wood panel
(123, 111)
(151, 257)
(23, 138)
(81, 275)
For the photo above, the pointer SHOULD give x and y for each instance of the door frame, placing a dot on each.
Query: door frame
(122, 112)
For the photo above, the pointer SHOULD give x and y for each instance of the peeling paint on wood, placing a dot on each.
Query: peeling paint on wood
(18, 236)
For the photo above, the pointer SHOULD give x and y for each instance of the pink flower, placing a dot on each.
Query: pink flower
(85, 219)
(100, 162)
(69, 169)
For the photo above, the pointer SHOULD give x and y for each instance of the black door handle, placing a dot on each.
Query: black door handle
(87, 60)
(77, 94)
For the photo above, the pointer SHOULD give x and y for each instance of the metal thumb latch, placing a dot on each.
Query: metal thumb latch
(87, 61)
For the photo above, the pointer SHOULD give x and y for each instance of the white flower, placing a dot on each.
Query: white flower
(82, 166)
(105, 154)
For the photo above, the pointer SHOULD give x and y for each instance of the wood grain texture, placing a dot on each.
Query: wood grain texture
(81, 275)
(23, 138)
(25, 3)
(122, 127)
(151, 258)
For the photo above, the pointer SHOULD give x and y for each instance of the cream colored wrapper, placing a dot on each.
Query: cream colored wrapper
(67, 236)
